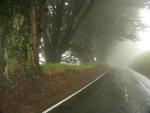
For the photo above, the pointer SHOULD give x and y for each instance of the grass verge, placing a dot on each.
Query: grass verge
(60, 67)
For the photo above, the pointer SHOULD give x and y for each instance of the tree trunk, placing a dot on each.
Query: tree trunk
(32, 47)
(1, 52)
(55, 56)
(46, 38)
(52, 47)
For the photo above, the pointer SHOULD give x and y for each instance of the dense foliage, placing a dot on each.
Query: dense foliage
(30, 27)
(49, 27)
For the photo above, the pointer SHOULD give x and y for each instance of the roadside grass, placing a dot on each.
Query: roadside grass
(142, 60)
(61, 67)
(142, 64)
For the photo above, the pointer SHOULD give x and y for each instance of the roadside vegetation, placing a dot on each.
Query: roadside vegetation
(142, 63)
(54, 31)
(33, 30)
(61, 67)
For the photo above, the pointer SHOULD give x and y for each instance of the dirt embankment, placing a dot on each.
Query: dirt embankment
(25, 96)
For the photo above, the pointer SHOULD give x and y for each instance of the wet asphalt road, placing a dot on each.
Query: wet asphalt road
(119, 91)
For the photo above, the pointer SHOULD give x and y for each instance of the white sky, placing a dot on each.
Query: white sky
(144, 35)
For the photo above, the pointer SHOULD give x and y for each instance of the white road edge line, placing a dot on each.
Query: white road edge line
(69, 97)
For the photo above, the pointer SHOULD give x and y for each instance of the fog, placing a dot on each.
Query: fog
(125, 52)
(119, 32)
(115, 33)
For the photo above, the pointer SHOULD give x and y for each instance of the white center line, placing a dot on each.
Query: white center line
(126, 93)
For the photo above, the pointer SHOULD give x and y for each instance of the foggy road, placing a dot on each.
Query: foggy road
(119, 91)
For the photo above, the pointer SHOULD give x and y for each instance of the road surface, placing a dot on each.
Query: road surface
(119, 91)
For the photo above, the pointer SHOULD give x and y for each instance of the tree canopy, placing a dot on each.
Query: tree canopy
(51, 27)
(108, 22)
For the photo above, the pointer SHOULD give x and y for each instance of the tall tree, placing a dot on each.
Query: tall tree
(63, 18)
(20, 44)
(108, 22)
(1, 51)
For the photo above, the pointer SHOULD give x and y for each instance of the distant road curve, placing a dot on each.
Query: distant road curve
(121, 90)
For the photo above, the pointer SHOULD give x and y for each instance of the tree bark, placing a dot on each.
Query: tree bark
(46, 38)
(52, 43)
(1, 52)
(32, 46)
